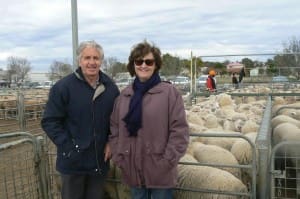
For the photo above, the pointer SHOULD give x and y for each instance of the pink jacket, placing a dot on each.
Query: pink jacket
(151, 158)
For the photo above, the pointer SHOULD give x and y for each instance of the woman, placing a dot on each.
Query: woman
(149, 131)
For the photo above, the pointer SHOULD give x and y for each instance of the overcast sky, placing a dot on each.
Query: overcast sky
(41, 30)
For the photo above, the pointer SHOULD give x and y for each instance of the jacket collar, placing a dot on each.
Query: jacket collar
(103, 81)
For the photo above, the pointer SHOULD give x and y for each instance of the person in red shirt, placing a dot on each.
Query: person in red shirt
(210, 81)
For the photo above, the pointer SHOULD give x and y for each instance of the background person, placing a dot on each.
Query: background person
(242, 74)
(76, 119)
(210, 81)
(149, 131)
(235, 82)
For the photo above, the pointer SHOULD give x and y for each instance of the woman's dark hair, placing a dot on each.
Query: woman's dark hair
(139, 51)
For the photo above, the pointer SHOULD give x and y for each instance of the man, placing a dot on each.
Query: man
(76, 119)
(211, 82)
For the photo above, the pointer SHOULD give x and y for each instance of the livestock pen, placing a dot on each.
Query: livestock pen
(27, 157)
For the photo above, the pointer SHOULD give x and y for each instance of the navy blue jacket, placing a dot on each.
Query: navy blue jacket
(77, 120)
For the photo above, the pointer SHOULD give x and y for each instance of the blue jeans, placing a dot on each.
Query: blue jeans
(144, 193)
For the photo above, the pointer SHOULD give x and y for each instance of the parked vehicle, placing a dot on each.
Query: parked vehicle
(181, 82)
(45, 84)
(202, 80)
(280, 78)
(123, 82)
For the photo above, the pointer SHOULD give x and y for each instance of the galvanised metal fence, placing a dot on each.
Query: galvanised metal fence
(22, 171)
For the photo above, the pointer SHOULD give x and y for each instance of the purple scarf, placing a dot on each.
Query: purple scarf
(133, 118)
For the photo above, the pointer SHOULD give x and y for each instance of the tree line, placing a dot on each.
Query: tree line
(18, 67)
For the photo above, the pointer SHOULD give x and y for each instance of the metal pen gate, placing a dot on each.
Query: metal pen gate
(22, 173)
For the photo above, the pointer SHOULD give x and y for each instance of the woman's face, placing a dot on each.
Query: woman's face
(144, 67)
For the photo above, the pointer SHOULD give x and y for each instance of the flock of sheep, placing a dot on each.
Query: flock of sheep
(34, 101)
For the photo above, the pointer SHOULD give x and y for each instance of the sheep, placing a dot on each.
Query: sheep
(224, 100)
(250, 99)
(238, 124)
(259, 104)
(211, 122)
(238, 115)
(212, 154)
(241, 149)
(278, 101)
(293, 113)
(227, 111)
(282, 119)
(195, 128)
(286, 131)
(194, 117)
(203, 177)
(224, 142)
(249, 126)
(228, 125)
(243, 108)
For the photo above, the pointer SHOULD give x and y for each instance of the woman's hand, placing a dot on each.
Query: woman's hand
(107, 152)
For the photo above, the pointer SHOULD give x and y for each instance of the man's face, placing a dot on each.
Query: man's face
(90, 62)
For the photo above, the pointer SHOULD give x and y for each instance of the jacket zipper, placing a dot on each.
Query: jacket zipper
(95, 138)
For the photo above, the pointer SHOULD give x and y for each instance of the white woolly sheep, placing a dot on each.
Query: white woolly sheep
(250, 99)
(234, 122)
(282, 119)
(278, 101)
(211, 121)
(241, 149)
(224, 100)
(194, 117)
(249, 126)
(196, 129)
(243, 108)
(259, 104)
(203, 177)
(228, 125)
(293, 113)
(212, 154)
(286, 132)
(224, 142)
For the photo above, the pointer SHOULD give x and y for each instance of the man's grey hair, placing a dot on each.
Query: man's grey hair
(92, 44)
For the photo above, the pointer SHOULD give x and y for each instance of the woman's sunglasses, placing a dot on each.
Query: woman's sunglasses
(148, 62)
